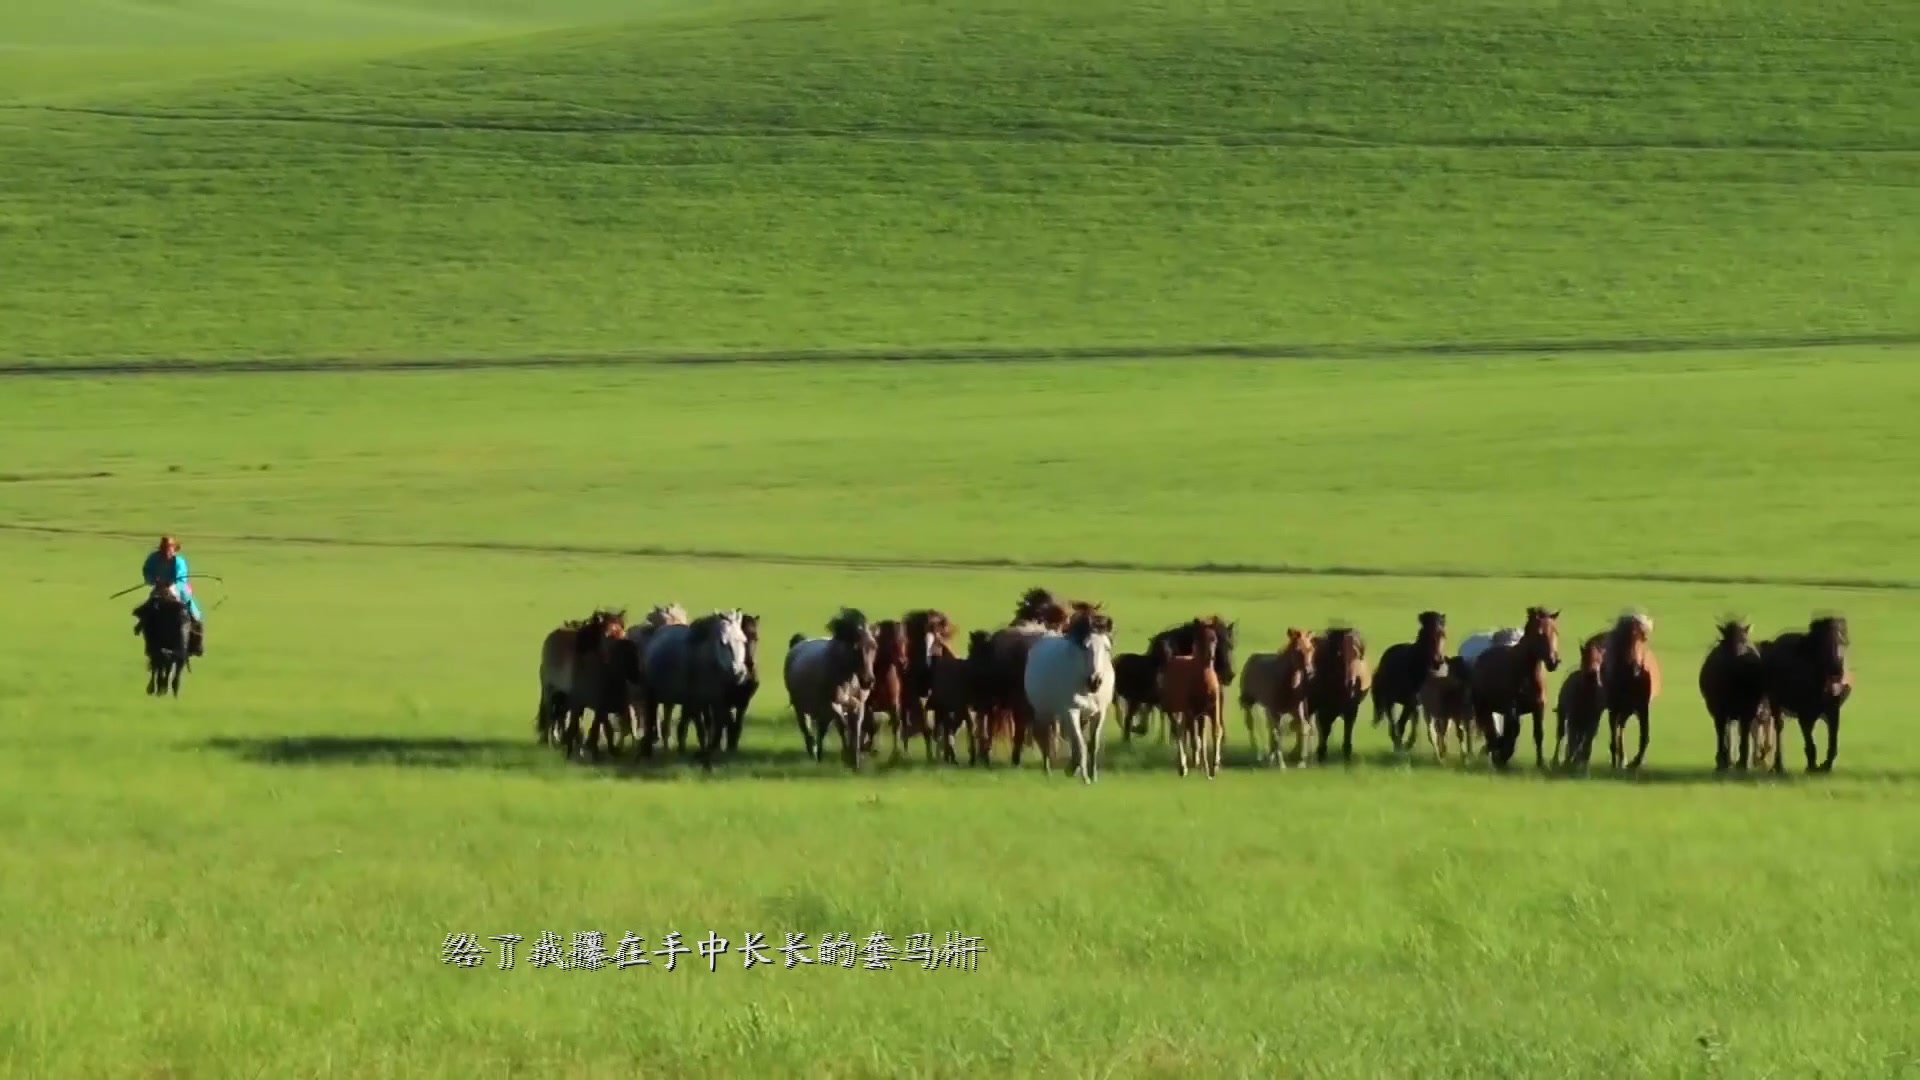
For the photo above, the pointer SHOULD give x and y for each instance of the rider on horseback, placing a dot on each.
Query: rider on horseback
(167, 568)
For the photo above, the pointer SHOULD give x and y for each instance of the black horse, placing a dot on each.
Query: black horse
(1807, 677)
(1733, 683)
(166, 629)
(1402, 671)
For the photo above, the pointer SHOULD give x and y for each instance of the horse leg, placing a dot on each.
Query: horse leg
(1641, 714)
(1077, 739)
(1833, 738)
(1346, 737)
(1219, 721)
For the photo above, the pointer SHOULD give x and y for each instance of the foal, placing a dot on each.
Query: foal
(1583, 697)
(1190, 693)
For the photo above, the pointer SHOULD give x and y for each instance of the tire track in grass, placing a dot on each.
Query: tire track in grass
(978, 354)
(1004, 563)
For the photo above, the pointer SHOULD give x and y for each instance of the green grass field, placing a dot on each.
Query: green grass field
(1624, 310)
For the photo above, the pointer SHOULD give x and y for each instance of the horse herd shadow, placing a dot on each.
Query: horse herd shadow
(791, 762)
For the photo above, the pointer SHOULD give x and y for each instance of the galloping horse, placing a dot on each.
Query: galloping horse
(668, 614)
(585, 665)
(1402, 671)
(1510, 680)
(1583, 696)
(164, 626)
(985, 719)
(929, 631)
(1733, 683)
(1339, 684)
(1037, 613)
(1447, 700)
(1069, 681)
(1632, 681)
(1182, 640)
(889, 686)
(951, 695)
(1136, 690)
(735, 711)
(1277, 682)
(702, 667)
(1190, 693)
(828, 679)
(1808, 677)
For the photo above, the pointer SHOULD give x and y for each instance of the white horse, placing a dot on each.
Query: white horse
(1476, 644)
(1069, 680)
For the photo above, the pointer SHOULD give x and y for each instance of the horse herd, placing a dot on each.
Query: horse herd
(1050, 673)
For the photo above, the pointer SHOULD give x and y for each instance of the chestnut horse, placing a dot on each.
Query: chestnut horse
(1182, 640)
(1277, 682)
(1583, 697)
(889, 685)
(1632, 677)
(1733, 683)
(1340, 683)
(1402, 671)
(1190, 693)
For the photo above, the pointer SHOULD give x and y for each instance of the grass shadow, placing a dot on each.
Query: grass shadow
(790, 762)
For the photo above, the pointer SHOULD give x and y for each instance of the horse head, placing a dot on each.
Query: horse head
(1432, 640)
(1223, 656)
(729, 640)
(854, 643)
(1736, 634)
(1093, 631)
(750, 630)
(1542, 637)
(1299, 653)
(1592, 652)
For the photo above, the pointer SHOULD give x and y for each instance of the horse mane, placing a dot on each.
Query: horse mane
(668, 614)
(597, 628)
(1033, 605)
(1087, 621)
(703, 628)
(1632, 620)
(1834, 624)
(929, 620)
(847, 626)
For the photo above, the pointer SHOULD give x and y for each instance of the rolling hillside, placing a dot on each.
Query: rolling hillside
(474, 179)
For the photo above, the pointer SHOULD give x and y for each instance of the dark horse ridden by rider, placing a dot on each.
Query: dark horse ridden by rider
(165, 626)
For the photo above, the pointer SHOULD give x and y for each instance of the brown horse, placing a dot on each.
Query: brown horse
(586, 665)
(1583, 697)
(928, 630)
(1402, 671)
(1447, 700)
(1190, 693)
(1340, 683)
(1277, 682)
(1510, 680)
(1808, 677)
(1136, 691)
(1733, 683)
(889, 694)
(1632, 675)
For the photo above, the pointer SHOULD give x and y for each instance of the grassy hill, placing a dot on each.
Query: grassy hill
(453, 179)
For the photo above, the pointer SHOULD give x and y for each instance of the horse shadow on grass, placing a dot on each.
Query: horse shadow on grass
(792, 763)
